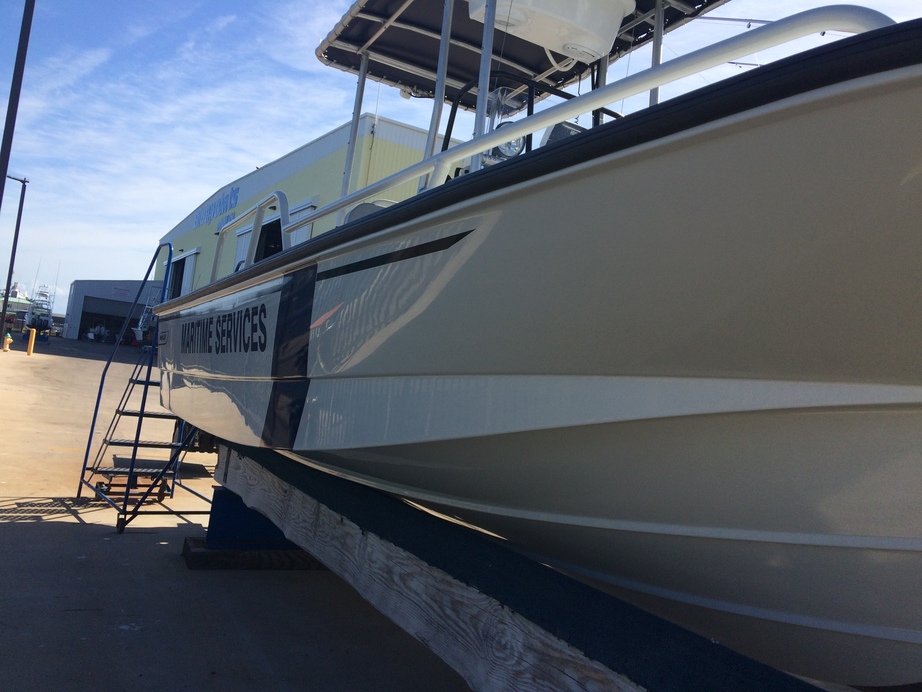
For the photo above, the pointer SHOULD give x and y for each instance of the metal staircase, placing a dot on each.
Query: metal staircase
(148, 470)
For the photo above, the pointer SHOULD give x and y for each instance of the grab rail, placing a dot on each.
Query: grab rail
(257, 212)
(846, 18)
(850, 19)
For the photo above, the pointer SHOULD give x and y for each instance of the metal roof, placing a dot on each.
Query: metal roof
(402, 39)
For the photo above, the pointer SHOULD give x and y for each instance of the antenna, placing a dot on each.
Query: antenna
(35, 280)
(54, 293)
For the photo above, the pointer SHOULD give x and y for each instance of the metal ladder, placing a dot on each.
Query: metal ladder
(128, 481)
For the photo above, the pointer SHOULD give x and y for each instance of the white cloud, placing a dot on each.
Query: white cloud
(120, 144)
(220, 23)
(292, 30)
(54, 85)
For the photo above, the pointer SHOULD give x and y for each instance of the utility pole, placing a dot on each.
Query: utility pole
(9, 276)
(7, 144)
(11, 109)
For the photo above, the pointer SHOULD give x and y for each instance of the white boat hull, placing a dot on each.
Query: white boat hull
(711, 406)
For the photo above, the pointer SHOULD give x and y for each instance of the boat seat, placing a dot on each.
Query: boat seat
(560, 131)
(364, 209)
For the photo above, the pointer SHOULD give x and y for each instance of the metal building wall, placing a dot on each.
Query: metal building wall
(111, 298)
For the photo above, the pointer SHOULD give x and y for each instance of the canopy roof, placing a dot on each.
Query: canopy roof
(402, 39)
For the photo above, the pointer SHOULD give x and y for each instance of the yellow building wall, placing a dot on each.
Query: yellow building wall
(321, 181)
(381, 158)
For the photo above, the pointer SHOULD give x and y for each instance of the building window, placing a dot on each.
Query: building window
(182, 273)
(270, 240)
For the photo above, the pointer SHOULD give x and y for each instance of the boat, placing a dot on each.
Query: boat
(38, 316)
(673, 353)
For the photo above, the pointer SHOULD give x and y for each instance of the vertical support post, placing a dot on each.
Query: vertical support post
(658, 21)
(439, 94)
(602, 80)
(483, 78)
(32, 332)
(354, 131)
(530, 111)
(9, 276)
(15, 88)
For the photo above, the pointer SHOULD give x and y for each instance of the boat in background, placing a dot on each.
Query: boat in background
(675, 354)
(38, 316)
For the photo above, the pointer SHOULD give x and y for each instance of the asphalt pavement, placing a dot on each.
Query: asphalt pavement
(83, 607)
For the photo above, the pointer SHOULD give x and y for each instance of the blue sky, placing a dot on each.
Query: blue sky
(133, 113)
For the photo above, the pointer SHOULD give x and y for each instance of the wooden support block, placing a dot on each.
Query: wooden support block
(504, 622)
(492, 647)
(198, 556)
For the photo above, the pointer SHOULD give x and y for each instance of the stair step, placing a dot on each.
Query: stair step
(123, 462)
(150, 444)
(120, 460)
(118, 494)
(123, 471)
(166, 415)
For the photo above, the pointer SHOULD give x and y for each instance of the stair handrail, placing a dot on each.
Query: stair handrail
(118, 341)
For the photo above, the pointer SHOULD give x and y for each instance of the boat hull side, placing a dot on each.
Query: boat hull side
(710, 400)
(757, 529)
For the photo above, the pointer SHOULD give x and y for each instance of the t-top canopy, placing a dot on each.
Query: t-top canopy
(402, 39)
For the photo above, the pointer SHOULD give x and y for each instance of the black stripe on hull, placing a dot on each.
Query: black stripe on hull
(292, 337)
(395, 256)
(289, 362)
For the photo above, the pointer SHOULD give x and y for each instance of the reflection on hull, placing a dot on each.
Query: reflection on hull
(731, 525)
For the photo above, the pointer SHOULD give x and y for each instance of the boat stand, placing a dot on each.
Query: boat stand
(501, 620)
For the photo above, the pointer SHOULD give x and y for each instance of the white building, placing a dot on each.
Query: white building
(104, 304)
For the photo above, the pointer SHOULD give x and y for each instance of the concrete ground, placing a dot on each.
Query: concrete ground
(83, 607)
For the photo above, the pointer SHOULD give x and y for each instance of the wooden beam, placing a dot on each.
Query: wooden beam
(490, 646)
(504, 622)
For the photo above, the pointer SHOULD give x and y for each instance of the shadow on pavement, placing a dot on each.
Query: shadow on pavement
(83, 607)
(33, 509)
